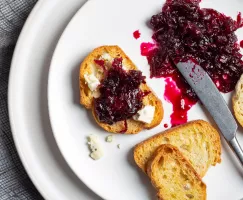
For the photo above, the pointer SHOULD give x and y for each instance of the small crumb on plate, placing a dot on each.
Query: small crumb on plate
(95, 148)
(109, 138)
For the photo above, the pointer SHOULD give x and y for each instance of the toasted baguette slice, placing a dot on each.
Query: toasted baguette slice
(237, 100)
(197, 140)
(88, 66)
(173, 175)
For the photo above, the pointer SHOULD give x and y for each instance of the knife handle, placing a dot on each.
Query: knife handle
(235, 146)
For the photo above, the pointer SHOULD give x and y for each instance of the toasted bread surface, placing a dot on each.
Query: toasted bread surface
(198, 141)
(88, 66)
(173, 175)
(237, 101)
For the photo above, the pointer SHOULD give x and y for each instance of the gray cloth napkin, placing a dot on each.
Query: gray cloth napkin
(14, 182)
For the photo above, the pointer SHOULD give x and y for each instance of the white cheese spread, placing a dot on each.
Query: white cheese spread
(92, 81)
(96, 150)
(146, 114)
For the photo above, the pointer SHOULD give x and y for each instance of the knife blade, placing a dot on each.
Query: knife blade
(213, 101)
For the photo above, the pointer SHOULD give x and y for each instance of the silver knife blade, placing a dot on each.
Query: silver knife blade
(209, 95)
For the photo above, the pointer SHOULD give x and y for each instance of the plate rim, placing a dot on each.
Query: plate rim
(12, 122)
(11, 94)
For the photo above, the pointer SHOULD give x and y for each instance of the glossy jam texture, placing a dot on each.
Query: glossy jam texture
(120, 95)
(241, 43)
(136, 34)
(181, 102)
(182, 30)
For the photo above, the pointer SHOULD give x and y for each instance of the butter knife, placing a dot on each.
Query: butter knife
(213, 101)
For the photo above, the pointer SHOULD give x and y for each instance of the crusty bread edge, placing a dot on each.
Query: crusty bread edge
(238, 116)
(165, 133)
(156, 156)
(236, 97)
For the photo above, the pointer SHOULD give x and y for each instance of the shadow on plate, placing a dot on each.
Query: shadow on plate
(75, 83)
(144, 179)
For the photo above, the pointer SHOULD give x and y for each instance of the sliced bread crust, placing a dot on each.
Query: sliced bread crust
(173, 175)
(197, 140)
(237, 101)
(88, 66)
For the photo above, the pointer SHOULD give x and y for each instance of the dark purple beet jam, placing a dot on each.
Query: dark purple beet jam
(241, 43)
(101, 63)
(183, 30)
(121, 96)
(124, 130)
(166, 125)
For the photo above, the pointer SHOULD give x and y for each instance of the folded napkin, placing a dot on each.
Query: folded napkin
(14, 182)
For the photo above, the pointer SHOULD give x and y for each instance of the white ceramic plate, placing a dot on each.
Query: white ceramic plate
(28, 102)
(115, 176)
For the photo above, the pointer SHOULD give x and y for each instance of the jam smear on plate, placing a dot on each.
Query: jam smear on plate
(183, 31)
(181, 102)
(136, 34)
(120, 96)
